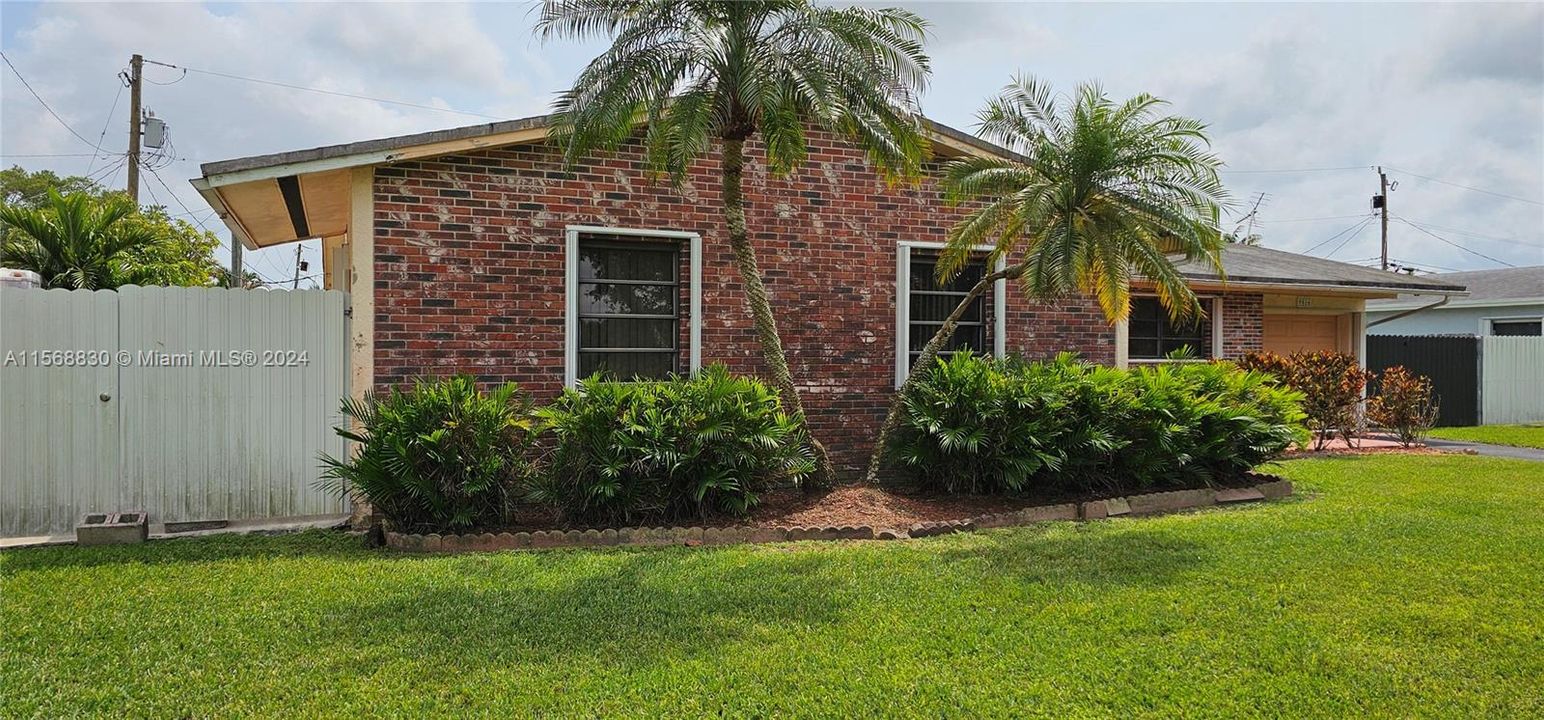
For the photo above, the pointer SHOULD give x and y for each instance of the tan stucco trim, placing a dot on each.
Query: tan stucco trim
(361, 281)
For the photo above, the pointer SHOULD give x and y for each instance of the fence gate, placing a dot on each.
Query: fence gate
(1452, 363)
(1512, 371)
(187, 403)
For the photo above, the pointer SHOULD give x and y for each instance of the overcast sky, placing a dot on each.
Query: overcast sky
(1454, 93)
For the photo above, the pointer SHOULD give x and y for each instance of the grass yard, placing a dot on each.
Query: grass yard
(1396, 586)
(1531, 436)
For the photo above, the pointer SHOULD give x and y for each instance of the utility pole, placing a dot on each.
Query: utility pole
(298, 248)
(236, 280)
(1383, 205)
(136, 71)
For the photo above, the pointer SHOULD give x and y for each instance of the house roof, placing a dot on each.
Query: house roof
(1258, 266)
(365, 152)
(1507, 286)
(282, 197)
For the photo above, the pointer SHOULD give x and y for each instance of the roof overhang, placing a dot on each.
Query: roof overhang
(1469, 303)
(269, 200)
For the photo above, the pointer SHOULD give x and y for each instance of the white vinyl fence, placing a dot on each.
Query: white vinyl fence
(186, 403)
(1511, 380)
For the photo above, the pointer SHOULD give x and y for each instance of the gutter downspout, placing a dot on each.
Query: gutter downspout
(1408, 313)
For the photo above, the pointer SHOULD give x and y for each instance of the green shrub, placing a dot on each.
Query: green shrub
(974, 426)
(1333, 386)
(662, 450)
(1404, 405)
(978, 425)
(439, 457)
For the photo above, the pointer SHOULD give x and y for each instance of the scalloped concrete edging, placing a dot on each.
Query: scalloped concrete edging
(1146, 504)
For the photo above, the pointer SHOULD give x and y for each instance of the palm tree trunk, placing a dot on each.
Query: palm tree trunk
(929, 354)
(761, 307)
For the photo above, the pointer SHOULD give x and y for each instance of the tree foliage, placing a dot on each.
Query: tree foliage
(1101, 194)
(1095, 195)
(164, 251)
(695, 71)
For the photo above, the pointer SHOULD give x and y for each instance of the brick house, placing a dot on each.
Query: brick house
(474, 250)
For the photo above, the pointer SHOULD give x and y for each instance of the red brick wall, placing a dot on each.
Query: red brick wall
(1243, 319)
(469, 272)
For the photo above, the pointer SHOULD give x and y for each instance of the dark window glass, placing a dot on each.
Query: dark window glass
(629, 309)
(931, 304)
(1151, 335)
(1528, 328)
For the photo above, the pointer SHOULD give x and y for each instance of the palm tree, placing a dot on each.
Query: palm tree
(1097, 194)
(74, 241)
(696, 72)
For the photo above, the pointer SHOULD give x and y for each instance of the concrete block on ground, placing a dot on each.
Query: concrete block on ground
(124, 528)
(1275, 489)
(1043, 513)
(1238, 495)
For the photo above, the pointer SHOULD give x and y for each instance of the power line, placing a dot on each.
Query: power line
(181, 204)
(1268, 221)
(1471, 233)
(290, 280)
(1348, 239)
(1467, 187)
(102, 137)
(1410, 263)
(324, 92)
(50, 155)
(1332, 238)
(1454, 244)
(45, 104)
(1297, 170)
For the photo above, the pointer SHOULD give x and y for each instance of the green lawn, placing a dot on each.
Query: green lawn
(1531, 436)
(1396, 586)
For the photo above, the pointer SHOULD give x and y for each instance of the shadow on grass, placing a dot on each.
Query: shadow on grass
(626, 606)
(1089, 554)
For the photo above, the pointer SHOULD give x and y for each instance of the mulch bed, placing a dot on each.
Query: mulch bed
(1338, 451)
(855, 505)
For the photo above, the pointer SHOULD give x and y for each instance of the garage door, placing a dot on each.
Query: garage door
(1297, 333)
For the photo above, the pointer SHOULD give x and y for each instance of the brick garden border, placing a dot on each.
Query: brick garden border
(1147, 504)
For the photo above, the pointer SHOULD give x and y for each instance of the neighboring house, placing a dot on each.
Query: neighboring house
(473, 250)
(1500, 302)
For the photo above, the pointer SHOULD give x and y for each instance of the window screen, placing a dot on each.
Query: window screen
(1530, 328)
(1151, 335)
(931, 303)
(628, 309)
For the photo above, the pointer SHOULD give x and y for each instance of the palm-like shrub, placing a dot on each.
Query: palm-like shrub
(723, 72)
(441, 456)
(975, 426)
(978, 425)
(625, 452)
(76, 241)
(1098, 194)
(1202, 423)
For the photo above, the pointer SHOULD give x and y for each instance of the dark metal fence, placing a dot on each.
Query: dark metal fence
(1451, 361)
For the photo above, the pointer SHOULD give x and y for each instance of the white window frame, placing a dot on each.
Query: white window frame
(1123, 357)
(1487, 324)
(571, 292)
(903, 251)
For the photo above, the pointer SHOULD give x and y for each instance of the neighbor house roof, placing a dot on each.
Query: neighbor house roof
(1257, 266)
(1492, 288)
(282, 197)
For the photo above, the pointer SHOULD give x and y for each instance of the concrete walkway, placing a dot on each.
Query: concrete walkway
(1505, 451)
